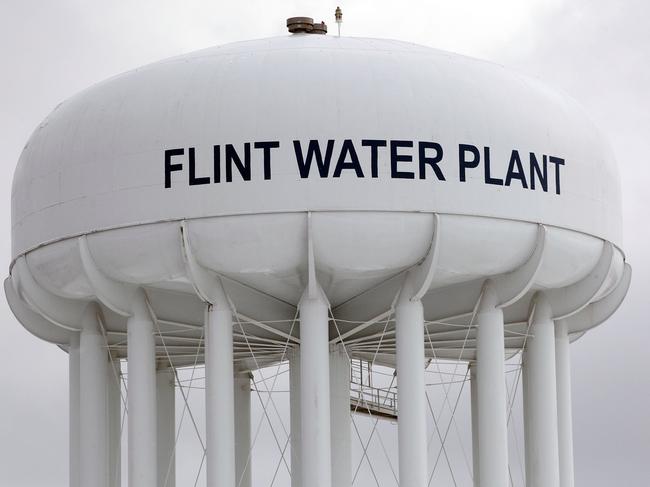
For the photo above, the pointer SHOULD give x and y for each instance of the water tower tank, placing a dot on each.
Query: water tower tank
(323, 199)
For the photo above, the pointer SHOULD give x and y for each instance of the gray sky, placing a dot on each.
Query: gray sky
(598, 51)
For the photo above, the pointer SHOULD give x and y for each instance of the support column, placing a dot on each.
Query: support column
(143, 470)
(564, 416)
(73, 376)
(93, 424)
(219, 401)
(166, 400)
(340, 417)
(540, 400)
(411, 423)
(114, 406)
(491, 392)
(243, 457)
(315, 391)
(294, 408)
(474, 407)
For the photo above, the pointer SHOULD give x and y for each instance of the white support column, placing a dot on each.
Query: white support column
(143, 470)
(491, 392)
(411, 423)
(540, 400)
(243, 457)
(564, 416)
(527, 429)
(474, 412)
(219, 400)
(315, 390)
(294, 407)
(73, 376)
(166, 400)
(340, 417)
(93, 424)
(114, 407)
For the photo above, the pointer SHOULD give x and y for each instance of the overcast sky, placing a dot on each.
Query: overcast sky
(598, 51)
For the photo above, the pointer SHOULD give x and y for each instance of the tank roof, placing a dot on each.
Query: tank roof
(99, 160)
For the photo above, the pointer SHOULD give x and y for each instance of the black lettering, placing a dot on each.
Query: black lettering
(430, 161)
(216, 162)
(395, 158)
(463, 162)
(558, 162)
(516, 170)
(194, 181)
(486, 164)
(313, 150)
(266, 147)
(374, 154)
(536, 171)
(353, 163)
(243, 168)
(169, 167)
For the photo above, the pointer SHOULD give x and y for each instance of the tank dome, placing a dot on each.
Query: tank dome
(309, 123)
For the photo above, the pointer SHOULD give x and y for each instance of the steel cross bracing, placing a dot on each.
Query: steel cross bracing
(178, 342)
(480, 323)
(185, 388)
(442, 339)
(268, 406)
(375, 342)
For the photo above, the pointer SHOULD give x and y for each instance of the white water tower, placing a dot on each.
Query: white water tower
(316, 199)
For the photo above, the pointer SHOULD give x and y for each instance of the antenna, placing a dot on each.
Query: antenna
(338, 15)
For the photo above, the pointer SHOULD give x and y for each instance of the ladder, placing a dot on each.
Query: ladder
(365, 398)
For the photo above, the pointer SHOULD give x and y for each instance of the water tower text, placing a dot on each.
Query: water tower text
(365, 158)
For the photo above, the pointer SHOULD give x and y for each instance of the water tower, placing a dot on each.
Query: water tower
(317, 199)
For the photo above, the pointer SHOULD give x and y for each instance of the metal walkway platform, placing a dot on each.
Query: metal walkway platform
(365, 398)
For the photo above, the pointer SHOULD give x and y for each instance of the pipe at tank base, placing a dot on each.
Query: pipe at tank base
(219, 396)
(564, 416)
(411, 423)
(142, 417)
(74, 397)
(315, 391)
(243, 458)
(341, 422)
(474, 414)
(540, 400)
(93, 385)
(166, 435)
(114, 437)
(294, 411)
(491, 392)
